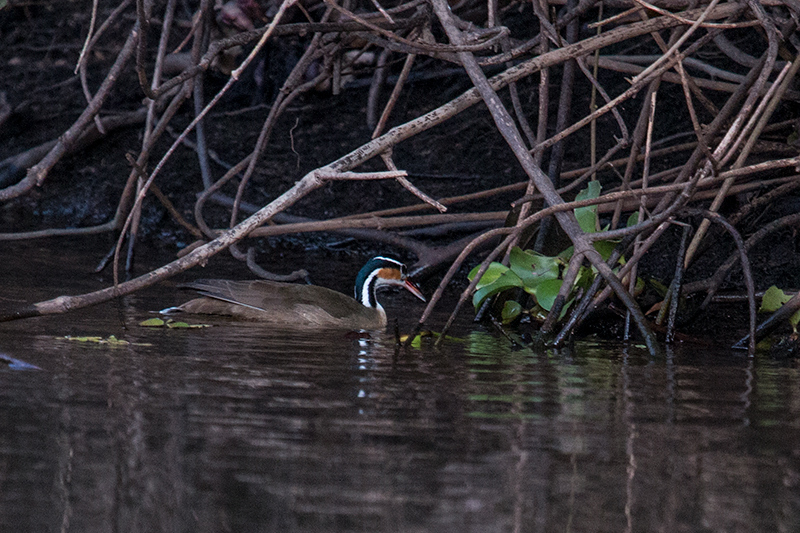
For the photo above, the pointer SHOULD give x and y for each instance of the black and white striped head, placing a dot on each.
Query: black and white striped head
(383, 272)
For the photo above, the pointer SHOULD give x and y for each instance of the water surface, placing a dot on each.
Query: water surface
(234, 428)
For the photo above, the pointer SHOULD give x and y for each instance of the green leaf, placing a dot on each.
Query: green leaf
(171, 324)
(152, 323)
(511, 310)
(592, 190)
(111, 340)
(633, 219)
(507, 280)
(585, 277)
(794, 320)
(566, 254)
(532, 268)
(83, 338)
(587, 216)
(416, 342)
(605, 248)
(546, 293)
(659, 287)
(494, 271)
(773, 299)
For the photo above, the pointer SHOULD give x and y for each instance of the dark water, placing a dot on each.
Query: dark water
(232, 428)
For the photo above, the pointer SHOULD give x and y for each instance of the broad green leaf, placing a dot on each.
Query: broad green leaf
(521, 260)
(507, 280)
(494, 271)
(566, 254)
(605, 248)
(152, 323)
(546, 293)
(633, 219)
(511, 310)
(532, 268)
(592, 190)
(773, 299)
(587, 216)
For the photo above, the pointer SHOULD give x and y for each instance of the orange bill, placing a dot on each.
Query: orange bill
(414, 289)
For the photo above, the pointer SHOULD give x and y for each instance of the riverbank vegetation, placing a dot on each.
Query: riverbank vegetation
(629, 140)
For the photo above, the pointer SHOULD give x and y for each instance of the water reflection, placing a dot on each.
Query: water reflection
(233, 428)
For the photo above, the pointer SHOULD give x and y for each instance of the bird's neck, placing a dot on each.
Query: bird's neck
(365, 291)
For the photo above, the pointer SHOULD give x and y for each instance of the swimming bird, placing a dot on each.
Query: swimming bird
(292, 305)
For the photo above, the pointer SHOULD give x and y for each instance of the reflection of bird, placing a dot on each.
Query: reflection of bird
(290, 305)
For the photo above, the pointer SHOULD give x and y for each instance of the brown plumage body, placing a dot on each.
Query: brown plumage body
(304, 306)
(283, 304)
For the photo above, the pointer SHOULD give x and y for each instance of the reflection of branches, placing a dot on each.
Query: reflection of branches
(687, 174)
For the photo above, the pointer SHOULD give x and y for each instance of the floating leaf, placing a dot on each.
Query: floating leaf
(152, 323)
(773, 299)
(417, 340)
(83, 339)
(511, 310)
(171, 324)
(111, 340)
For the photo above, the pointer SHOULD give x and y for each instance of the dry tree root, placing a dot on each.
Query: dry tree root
(510, 65)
